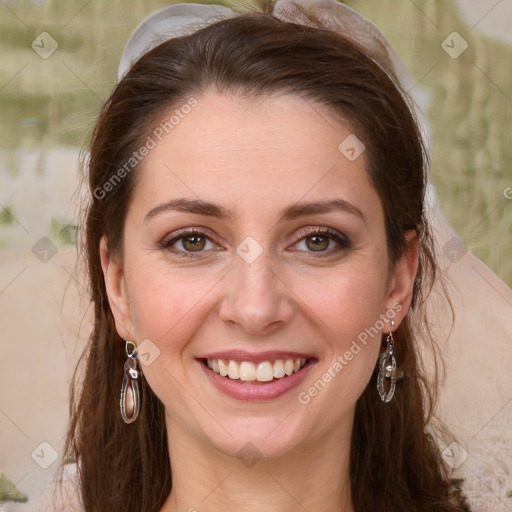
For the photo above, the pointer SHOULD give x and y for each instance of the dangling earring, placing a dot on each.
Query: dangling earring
(387, 369)
(130, 396)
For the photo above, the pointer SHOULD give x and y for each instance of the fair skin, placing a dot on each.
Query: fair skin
(256, 158)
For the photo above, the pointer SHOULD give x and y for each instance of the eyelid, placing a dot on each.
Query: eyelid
(184, 232)
(320, 230)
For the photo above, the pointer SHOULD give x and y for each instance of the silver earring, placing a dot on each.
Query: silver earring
(387, 369)
(130, 395)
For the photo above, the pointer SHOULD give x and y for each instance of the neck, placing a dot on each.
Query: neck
(313, 476)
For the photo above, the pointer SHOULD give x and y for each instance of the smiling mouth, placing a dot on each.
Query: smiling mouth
(259, 373)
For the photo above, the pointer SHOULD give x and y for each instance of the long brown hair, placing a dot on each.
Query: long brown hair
(395, 465)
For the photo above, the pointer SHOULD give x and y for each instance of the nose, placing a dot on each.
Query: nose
(257, 300)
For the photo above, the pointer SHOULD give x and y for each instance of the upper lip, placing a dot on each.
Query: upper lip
(256, 357)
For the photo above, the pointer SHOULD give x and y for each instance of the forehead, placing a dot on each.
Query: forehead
(252, 152)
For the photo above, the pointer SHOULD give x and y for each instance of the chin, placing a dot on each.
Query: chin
(255, 438)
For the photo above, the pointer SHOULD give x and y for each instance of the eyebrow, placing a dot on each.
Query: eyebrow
(291, 212)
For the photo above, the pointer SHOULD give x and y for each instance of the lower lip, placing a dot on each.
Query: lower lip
(259, 392)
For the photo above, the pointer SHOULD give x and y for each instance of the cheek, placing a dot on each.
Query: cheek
(168, 308)
(163, 302)
(348, 307)
(346, 301)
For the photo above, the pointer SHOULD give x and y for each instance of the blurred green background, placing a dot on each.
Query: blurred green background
(53, 102)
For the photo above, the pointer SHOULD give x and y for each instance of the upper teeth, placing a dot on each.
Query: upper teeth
(263, 372)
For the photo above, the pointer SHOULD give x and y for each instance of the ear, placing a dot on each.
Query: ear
(116, 291)
(401, 283)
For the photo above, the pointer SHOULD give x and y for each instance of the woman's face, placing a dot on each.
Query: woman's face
(253, 236)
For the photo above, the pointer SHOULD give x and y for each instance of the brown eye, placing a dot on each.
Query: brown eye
(317, 243)
(189, 243)
(322, 240)
(193, 243)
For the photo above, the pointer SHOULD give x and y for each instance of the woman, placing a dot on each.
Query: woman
(257, 242)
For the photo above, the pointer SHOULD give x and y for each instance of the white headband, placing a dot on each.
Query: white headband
(184, 19)
(173, 21)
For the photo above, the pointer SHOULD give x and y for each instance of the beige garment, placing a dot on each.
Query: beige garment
(62, 497)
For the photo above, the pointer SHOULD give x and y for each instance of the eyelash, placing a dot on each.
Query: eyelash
(331, 234)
